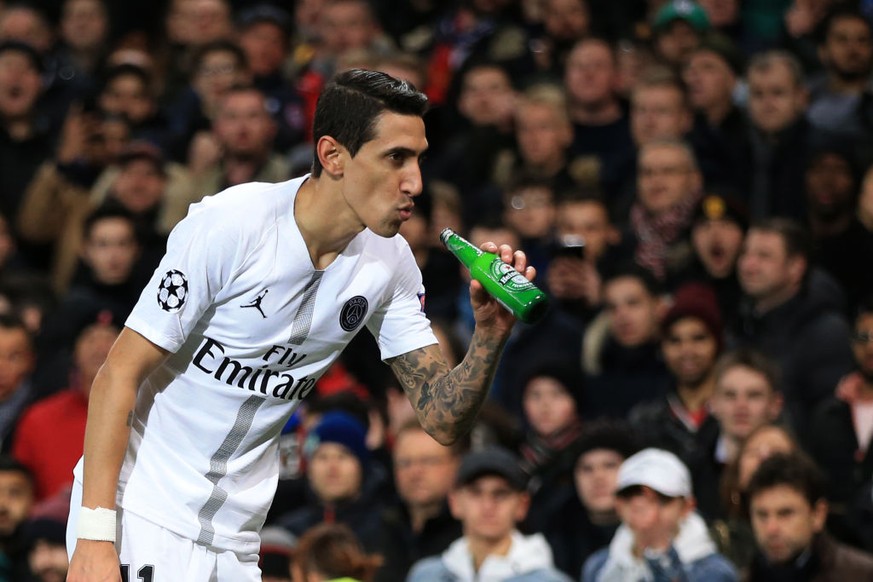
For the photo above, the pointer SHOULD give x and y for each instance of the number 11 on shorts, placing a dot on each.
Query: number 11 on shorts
(145, 574)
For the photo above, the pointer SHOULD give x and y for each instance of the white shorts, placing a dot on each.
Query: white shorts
(151, 553)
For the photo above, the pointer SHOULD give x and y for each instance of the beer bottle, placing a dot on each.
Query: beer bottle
(509, 287)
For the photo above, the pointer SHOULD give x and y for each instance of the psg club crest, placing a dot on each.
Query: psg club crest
(173, 291)
(353, 312)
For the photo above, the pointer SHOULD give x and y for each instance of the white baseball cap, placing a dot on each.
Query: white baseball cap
(656, 468)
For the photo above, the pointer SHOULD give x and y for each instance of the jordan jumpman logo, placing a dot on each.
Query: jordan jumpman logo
(256, 303)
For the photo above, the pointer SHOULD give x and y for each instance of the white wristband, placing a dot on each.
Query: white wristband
(96, 524)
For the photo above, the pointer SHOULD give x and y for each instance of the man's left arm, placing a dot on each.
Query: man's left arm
(448, 401)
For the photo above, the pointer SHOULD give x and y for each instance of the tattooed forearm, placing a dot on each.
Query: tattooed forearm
(447, 401)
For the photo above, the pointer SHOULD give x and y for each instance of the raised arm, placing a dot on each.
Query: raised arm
(448, 401)
(110, 413)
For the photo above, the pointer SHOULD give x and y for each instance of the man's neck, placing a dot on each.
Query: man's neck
(846, 86)
(326, 222)
(240, 170)
(596, 114)
(774, 300)
(603, 518)
(827, 228)
(695, 396)
(718, 112)
(19, 129)
(420, 514)
(482, 548)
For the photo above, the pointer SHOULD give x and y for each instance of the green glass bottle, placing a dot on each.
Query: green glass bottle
(509, 287)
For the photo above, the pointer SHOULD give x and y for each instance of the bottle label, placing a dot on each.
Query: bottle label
(508, 277)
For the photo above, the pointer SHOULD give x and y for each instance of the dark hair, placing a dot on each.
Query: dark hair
(343, 401)
(333, 550)
(839, 13)
(9, 464)
(219, 46)
(754, 360)
(13, 322)
(124, 70)
(865, 307)
(794, 470)
(108, 212)
(795, 237)
(350, 105)
(608, 434)
(634, 271)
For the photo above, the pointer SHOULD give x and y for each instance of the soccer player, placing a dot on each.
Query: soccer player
(260, 290)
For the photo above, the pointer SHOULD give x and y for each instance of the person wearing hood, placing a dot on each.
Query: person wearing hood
(791, 312)
(490, 498)
(661, 537)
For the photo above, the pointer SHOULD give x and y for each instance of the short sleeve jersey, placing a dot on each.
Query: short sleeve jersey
(251, 325)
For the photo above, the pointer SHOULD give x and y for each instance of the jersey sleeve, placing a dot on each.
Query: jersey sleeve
(400, 325)
(202, 252)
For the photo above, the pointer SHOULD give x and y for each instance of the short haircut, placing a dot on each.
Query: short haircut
(9, 464)
(607, 434)
(350, 105)
(839, 13)
(678, 144)
(753, 360)
(794, 470)
(108, 212)
(127, 70)
(658, 76)
(334, 551)
(764, 62)
(796, 238)
(458, 449)
(13, 323)
(218, 46)
(634, 271)
(549, 95)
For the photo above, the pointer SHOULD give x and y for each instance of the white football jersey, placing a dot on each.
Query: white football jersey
(251, 325)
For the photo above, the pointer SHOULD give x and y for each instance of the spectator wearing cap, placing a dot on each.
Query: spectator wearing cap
(661, 537)
(718, 228)
(792, 312)
(588, 520)
(263, 37)
(845, 48)
(692, 336)
(490, 499)
(678, 27)
(720, 133)
(47, 558)
(832, 183)
(344, 484)
(50, 435)
(788, 509)
(274, 558)
(25, 141)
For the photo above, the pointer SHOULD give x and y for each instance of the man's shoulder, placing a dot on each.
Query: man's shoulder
(430, 570)
(852, 561)
(541, 575)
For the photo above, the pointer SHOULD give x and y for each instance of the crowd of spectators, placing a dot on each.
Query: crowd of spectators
(693, 182)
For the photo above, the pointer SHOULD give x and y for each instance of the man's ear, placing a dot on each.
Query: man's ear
(819, 515)
(329, 152)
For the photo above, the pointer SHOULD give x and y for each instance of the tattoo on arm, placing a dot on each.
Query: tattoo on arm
(447, 401)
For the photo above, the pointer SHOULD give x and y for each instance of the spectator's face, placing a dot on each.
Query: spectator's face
(486, 97)
(488, 508)
(139, 186)
(127, 95)
(566, 20)
(92, 347)
(658, 112)
(548, 406)
(16, 361)
(666, 177)
(848, 48)
(543, 135)
(775, 100)
(765, 270)
(591, 75)
(531, 212)
(84, 25)
(632, 310)
(335, 474)
(743, 401)
(830, 187)
(48, 561)
(784, 522)
(862, 344)
(677, 42)
(264, 46)
(25, 25)
(111, 250)
(346, 25)
(218, 72)
(208, 20)
(650, 516)
(717, 244)
(762, 445)
(424, 470)
(588, 220)
(243, 126)
(16, 499)
(596, 474)
(20, 85)
(721, 13)
(689, 351)
(710, 81)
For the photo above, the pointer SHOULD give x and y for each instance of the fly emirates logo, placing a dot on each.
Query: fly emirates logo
(265, 379)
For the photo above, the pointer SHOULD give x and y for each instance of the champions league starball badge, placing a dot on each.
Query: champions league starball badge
(353, 312)
(173, 291)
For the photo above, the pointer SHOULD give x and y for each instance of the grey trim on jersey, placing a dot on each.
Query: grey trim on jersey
(218, 467)
(303, 320)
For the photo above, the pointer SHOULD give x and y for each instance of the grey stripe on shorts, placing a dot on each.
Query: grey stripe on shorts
(218, 467)
(303, 320)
